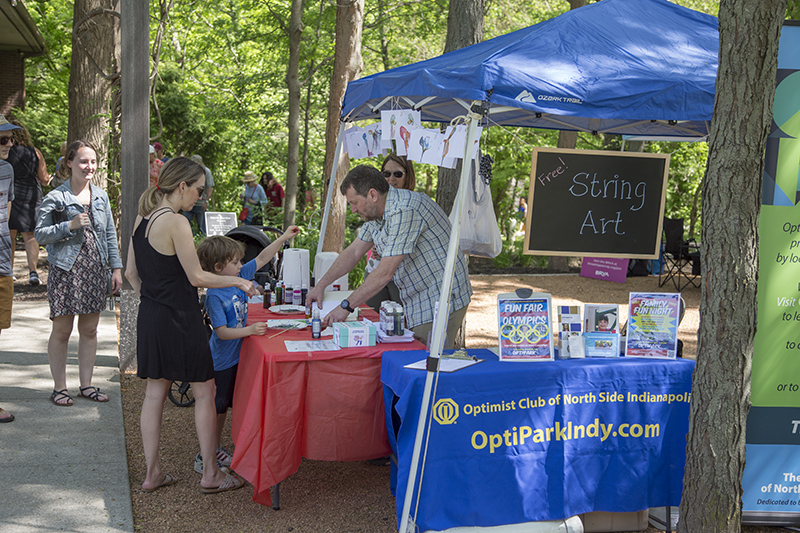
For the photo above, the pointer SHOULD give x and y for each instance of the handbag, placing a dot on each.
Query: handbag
(480, 234)
(246, 210)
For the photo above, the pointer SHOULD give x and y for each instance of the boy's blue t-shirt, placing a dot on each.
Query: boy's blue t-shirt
(228, 307)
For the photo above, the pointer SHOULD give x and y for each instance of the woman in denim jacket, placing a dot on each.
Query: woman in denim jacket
(76, 225)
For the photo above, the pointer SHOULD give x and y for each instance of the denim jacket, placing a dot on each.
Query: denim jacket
(52, 227)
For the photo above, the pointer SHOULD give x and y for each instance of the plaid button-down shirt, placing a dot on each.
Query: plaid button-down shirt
(416, 226)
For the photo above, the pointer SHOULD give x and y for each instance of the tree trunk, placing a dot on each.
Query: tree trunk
(347, 65)
(464, 28)
(94, 34)
(715, 453)
(293, 84)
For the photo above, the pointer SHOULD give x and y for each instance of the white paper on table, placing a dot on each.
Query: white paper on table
(311, 346)
(446, 364)
(333, 300)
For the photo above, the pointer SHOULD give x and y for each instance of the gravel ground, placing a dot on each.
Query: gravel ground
(329, 496)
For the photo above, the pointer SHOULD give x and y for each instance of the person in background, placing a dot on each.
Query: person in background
(160, 152)
(30, 173)
(273, 189)
(155, 166)
(55, 178)
(6, 248)
(227, 309)
(522, 211)
(399, 172)
(252, 196)
(76, 223)
(198, 211)
(412, 233)
(171, 339)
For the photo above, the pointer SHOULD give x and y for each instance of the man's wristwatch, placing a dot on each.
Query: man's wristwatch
(346, 305)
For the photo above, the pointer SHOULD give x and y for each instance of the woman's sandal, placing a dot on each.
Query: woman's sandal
(229, 483)
(5, 419)
(61, 398)
(94, 395)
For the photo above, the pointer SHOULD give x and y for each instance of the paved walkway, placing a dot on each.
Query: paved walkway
(61, 468)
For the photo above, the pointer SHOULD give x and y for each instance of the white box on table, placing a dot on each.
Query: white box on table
(352, 334)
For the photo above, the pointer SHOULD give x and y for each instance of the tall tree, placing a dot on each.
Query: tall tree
(464, 28)
(293, 83)
(715, 454)
(94, 45)
(347, 65)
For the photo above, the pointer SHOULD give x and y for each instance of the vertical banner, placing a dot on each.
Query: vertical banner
(771, 479)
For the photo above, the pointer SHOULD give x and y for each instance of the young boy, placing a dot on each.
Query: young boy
(227, 309)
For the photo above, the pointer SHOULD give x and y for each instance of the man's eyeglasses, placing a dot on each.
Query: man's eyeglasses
(5, 140)
(397, 174)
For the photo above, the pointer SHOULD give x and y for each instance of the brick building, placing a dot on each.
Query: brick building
(19, 38)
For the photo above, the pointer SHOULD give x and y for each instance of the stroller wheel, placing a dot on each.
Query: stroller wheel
(180, 393)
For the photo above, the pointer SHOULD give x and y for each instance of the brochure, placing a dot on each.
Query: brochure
(601, 317)
(569, 325)
(524, 327)
(653, 325)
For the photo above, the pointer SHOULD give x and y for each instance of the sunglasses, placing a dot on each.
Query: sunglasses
(200, 191)
(5, 140)
(397, 174)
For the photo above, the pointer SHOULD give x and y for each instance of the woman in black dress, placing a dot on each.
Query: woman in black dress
(30, 173)
(172, 344)
(76, 223)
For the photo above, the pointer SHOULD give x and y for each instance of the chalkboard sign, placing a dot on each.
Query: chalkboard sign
(596, 203)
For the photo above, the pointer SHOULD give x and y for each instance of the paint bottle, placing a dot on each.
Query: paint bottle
(303, 293)
(398, 320)
(297, 295)
(267, 297)
(279, 294)
(316, 324)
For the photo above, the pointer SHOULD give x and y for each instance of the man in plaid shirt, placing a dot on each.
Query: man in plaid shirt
(411, 233)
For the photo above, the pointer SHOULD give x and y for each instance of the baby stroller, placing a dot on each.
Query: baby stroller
(255, 240)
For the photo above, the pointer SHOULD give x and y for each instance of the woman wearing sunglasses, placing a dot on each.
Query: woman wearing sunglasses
(399, 172)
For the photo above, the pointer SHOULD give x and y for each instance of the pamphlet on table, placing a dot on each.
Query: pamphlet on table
(524, 327)
(653, 325)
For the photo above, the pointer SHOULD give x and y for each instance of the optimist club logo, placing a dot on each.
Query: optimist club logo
(445, 411)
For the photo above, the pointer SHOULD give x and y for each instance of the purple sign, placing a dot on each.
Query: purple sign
(605, 268)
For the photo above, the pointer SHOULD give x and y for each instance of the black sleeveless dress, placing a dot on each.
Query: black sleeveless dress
(172, 342)
(27, 189)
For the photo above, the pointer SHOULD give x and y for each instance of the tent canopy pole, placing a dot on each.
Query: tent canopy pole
(331, 185)
(442, 314)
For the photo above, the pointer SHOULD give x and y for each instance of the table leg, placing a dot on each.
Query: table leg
(276, 496)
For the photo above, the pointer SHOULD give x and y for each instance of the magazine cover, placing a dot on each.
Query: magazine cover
(601, 344)
(653, 325)
(601, 317)
(524, 327)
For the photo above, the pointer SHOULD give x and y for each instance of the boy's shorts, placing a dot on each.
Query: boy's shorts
(6, 297)
(225, 380)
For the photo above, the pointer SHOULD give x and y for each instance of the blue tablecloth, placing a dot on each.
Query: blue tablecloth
(515, 442)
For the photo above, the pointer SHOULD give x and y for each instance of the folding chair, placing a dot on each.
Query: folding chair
(681, 258)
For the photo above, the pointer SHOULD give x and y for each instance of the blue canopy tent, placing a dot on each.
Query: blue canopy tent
(628, 67)
(635, 67)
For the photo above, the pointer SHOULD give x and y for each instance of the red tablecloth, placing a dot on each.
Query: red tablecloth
(325, 406)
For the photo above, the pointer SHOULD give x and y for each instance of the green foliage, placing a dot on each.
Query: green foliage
(47, 79)
(221, 92)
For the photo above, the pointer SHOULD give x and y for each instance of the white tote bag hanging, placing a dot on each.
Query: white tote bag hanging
(480, 234)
